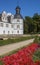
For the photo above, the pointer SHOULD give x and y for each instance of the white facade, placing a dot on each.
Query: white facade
(11, 28)
(14, 26)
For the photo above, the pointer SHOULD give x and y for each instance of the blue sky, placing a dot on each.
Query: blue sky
(28, 7)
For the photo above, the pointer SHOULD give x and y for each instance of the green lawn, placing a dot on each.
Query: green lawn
(14, 40)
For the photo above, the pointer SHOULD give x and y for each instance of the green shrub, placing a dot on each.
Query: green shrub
(37, 39)
(36, 55)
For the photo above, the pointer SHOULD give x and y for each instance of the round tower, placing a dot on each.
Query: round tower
(18, 21)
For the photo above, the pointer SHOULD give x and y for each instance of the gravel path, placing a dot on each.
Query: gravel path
(8, 48)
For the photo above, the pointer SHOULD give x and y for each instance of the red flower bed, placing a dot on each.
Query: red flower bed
(22, 57)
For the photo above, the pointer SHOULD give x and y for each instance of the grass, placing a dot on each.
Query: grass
(14, 40)
(17, 40)
(36, 55)
(1, 63)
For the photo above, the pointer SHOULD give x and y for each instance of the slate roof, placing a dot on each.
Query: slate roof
(18, 16)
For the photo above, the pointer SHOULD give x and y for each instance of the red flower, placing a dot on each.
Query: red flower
(22, 57)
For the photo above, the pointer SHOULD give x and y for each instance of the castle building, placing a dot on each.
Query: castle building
(11, 24)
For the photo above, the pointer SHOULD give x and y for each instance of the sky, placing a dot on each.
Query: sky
(28, 7)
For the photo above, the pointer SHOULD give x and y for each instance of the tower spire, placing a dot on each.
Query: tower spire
(18, 8)
(18, 14)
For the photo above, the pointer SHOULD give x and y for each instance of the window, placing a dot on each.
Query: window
(1, 24)
(8, 32)
(12, 25)
(18, 31)
(3, 18)
(18, 26)
(12, 32)
(17, 20)
(6, 25)
(4, 32)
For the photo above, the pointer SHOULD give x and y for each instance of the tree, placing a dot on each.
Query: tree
(25, 27)
(29, 24)
(32, 24)
(36, 17)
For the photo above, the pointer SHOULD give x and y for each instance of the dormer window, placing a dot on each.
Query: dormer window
(4, 16)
